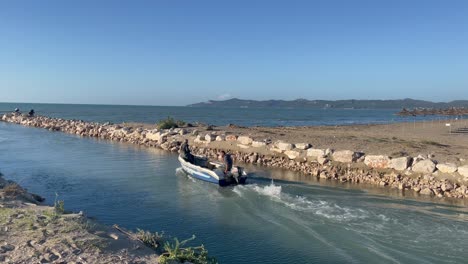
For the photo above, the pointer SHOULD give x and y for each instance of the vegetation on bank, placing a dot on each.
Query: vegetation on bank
(172, 250)
(170, 122)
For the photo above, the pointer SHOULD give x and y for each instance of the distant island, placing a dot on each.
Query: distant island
(338, 104)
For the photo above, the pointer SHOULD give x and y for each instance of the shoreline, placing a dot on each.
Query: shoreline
(274, 147)
(32, 232)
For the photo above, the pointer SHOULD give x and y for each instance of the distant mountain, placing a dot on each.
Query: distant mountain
(338, 104)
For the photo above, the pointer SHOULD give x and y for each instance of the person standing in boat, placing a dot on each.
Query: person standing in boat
(227, 159)
(185, 151)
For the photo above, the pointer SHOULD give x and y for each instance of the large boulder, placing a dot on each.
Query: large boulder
(231, 138)
(209, 138)
(401, 163)
(426, 191)
(198, 139)
(284, 146)
(447, 167)
(152, 135)
(245, 140)
(303, 146)
(277, 150)
(377, 161)
(220, 138)
(315, 152)
(258, 144)
(463, 170)
(292, 154)
(424, 166)
(346, 156)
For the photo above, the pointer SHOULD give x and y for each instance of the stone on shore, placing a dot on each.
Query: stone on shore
(447, 167)
(292, 154)
(284, 146)
(198, 139)
(220, 138)
(315, 152)
(346, 156)
(277, 150)
(303, 146)
(242, 146)
(258, 144)
(322, 160)
(155, 136)
(231, 138)
(401, 163)
(463, 170)
(426, 191)
(377, 161)
(209, 138)
(424, 166)
(245, 140)
(446, 187)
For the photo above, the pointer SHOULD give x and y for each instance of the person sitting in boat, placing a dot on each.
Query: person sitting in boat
(185, 152)
(227, 159)
(31, 113)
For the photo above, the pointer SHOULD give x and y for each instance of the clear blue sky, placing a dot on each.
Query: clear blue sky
(179, 52)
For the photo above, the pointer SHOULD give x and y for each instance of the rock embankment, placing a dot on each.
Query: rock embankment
(421, 174)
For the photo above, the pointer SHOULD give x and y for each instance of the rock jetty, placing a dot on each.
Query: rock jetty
(419, 174)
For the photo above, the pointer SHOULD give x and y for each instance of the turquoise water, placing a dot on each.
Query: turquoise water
(262, 222)
(223, 116)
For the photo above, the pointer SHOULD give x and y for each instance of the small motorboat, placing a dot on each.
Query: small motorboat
(213, 172)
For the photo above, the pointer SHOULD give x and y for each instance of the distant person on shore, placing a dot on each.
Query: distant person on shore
(185, 152)
(17, 110)
(227, 159)
(31, 112)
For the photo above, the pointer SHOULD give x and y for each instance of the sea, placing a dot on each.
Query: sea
(270, 117)
(278, 217)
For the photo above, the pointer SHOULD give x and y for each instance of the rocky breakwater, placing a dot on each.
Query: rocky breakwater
(420, 174)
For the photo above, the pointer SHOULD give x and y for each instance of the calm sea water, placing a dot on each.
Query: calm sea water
(219, 117)
(262, 222)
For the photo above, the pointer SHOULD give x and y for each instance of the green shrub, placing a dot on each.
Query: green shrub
(152, 240)
(170, 122)
(176, 253)
(59, 206)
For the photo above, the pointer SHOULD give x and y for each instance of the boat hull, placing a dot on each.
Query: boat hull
(213, 176)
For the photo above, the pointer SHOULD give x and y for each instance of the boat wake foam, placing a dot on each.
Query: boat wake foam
(321, 208)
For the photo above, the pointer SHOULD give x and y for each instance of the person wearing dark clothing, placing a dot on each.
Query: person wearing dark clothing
(227, 159)
(17, 110)
(31, 113)
(185, 152)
